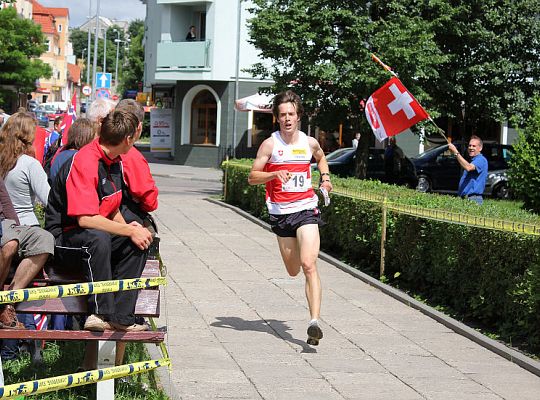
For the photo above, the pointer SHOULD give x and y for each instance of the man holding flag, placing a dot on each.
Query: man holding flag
(473, 181)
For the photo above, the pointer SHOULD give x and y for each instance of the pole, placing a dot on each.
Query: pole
(235, 118)
(94, 71)
(116, 67)
(383, 237)
(89, 44)
(105, 50)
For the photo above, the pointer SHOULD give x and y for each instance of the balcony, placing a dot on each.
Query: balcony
(183, 56)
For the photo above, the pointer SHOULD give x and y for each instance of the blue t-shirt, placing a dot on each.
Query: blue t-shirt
(474, 182)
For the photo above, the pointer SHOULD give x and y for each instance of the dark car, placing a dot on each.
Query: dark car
(342, 162)
(83, 107)
(437, 170)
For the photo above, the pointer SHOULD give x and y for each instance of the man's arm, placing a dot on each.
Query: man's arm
(467, 166)
(139, 235)
(322, 164)
(257, 174)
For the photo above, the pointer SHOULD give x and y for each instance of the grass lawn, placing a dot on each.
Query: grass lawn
(61, 358)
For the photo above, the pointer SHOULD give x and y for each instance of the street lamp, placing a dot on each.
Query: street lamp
(89, 43)
(95, 51)
(117, 40)
(105, 50)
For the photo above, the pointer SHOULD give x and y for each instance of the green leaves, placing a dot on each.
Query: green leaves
(470, 61)
(21, 42)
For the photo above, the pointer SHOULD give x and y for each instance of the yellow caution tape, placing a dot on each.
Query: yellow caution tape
(79, 379)
(78, 289)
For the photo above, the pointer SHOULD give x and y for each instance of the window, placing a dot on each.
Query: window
(203, 119)
(49, 49)
(59, 27)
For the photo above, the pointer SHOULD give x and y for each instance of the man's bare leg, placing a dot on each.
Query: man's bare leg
(309, 243)
(302, 252)
(26, 271)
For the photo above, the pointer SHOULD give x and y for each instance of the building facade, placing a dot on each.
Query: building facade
(200, 77)
(55, 26)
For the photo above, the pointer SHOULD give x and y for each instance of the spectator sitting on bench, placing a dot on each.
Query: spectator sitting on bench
(82, 132)
(90, 232)
(25, 180)
(140, 194)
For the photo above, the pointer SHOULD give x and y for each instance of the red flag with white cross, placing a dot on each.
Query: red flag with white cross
(392, 109)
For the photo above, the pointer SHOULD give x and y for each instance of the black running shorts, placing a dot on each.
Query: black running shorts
(285, 225)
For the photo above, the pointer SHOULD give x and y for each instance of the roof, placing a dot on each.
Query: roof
(59, 11)
(74, 73)
(37, 8)
(46, 22)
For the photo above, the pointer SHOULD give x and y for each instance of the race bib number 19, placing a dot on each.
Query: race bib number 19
(299, 182)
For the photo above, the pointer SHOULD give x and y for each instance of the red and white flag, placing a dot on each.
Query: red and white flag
(392, 109)
(68, 118)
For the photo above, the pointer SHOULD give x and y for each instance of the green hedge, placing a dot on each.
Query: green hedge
(480, 276)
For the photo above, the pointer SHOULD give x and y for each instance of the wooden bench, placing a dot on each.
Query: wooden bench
(148, 305)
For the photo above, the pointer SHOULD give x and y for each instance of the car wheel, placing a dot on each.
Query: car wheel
(424, 184)
(501, 191)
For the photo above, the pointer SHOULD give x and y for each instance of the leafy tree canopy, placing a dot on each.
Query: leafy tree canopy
(21, 43)
(474, 58)
(133, 70)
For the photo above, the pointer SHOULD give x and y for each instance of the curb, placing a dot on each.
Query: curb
(514, 356)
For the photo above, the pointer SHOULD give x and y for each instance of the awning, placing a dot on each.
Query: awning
(256, 102)
(43, 90)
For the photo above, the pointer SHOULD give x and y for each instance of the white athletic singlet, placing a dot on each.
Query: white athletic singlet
(297, 194)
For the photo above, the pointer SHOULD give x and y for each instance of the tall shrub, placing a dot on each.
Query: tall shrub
(525, 162)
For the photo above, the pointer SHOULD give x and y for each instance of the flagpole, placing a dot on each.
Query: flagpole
(387, 68)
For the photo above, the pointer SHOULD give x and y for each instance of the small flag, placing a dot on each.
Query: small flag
(392, 109)
(40, 321)
(68, 118)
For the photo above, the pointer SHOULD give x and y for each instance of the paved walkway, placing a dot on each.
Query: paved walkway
(237, 322)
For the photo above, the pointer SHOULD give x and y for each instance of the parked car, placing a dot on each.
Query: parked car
(48, 111)
(52, 110)
(42, 117)
(342, 162)
(32, 104)
(437, 170)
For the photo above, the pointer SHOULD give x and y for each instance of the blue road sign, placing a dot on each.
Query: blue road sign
(103, 80)
(103, 93)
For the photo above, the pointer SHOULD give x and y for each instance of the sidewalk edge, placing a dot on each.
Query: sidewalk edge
(514, 356)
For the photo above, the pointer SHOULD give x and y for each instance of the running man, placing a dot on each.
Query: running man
(283, 164)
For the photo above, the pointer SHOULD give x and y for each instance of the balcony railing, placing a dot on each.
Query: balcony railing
(183, 55)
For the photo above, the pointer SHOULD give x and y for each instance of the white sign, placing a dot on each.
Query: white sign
(87, 90)
(161, 133)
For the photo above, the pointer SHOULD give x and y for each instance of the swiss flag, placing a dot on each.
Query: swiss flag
(68, 118)
(392, 109)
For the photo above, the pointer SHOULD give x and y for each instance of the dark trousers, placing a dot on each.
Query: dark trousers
(103, 257)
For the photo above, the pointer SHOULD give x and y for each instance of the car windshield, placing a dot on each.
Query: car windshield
(338, 153)
(431, 152)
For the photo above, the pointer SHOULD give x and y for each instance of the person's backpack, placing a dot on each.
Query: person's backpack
(49, 155)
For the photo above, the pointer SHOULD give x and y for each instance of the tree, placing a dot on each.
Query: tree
(321, 49)
(524, 174)
(21, 43)
(491, 69)
(470, 61)
(133, 70)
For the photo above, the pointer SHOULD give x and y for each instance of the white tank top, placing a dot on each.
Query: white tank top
(297, 194)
